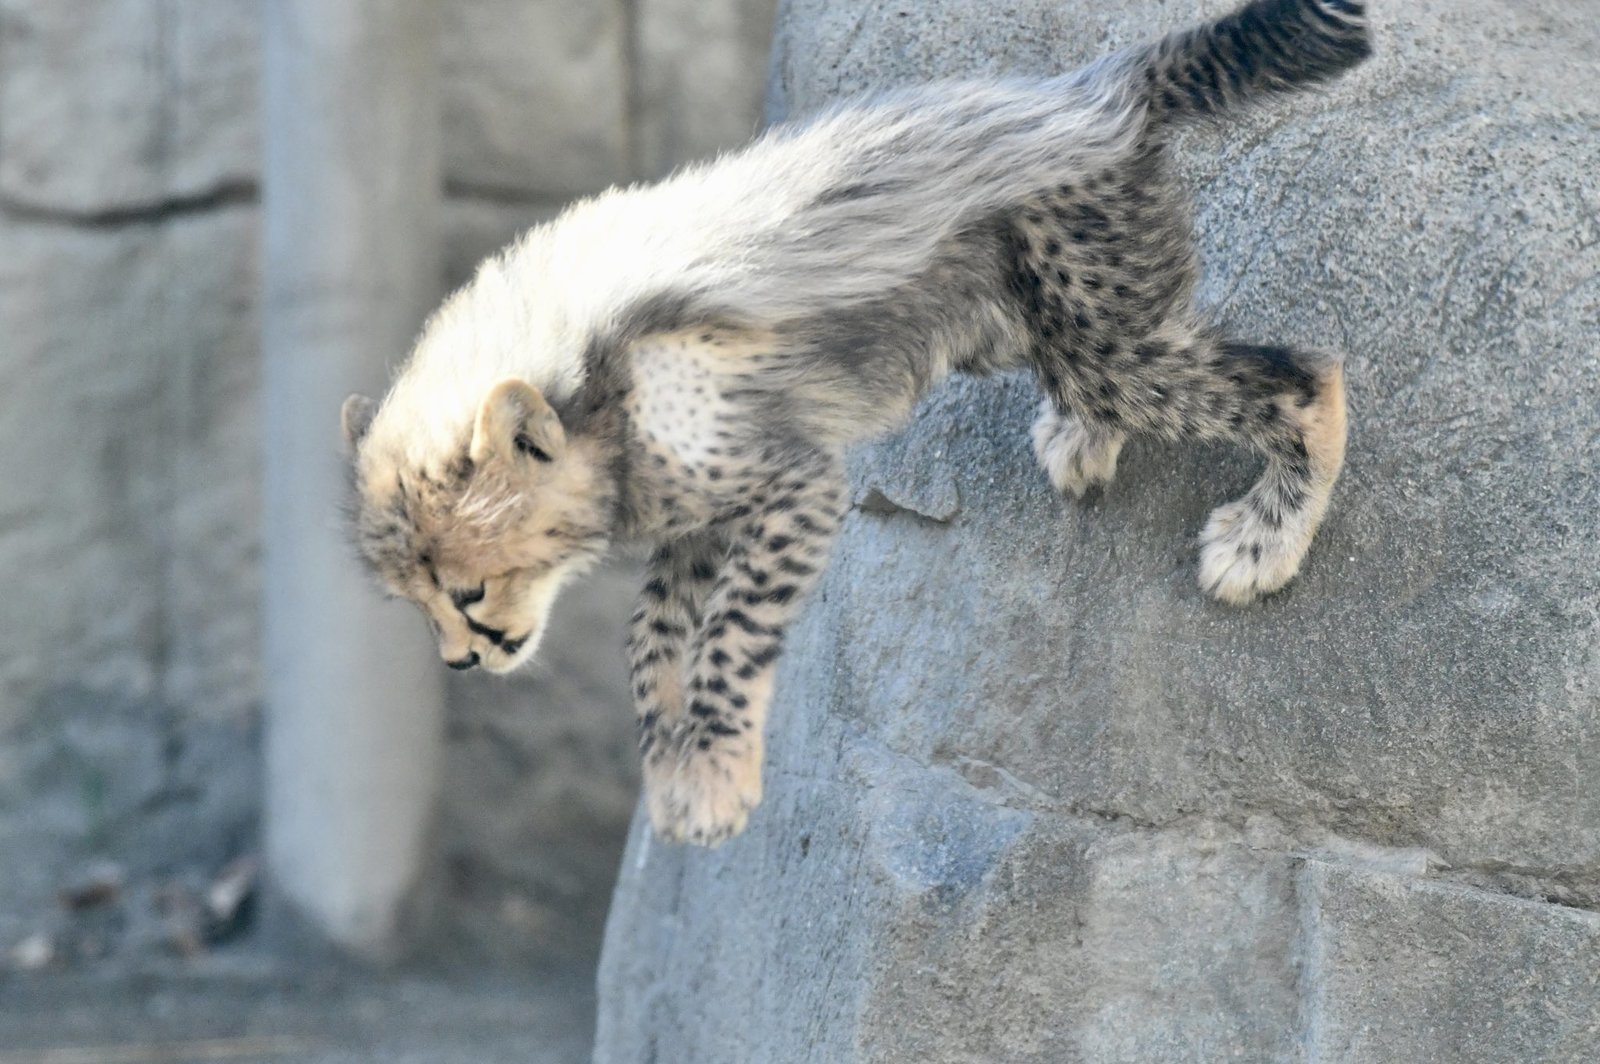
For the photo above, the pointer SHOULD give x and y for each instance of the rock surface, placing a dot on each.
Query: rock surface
(1032, 797)
(536, 96)
(112, 108)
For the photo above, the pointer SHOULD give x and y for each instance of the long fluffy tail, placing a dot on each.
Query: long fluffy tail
(1264, 48)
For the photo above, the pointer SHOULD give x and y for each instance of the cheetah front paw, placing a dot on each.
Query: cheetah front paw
(1075, 457)
(704, 797)
(1242, 557)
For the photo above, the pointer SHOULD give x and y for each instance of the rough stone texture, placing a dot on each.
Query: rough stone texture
(1412, 970)
(1033, 797)
(128, 458)
(159, 102)
(129, 463)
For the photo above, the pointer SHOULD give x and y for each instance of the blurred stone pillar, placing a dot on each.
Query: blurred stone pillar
(351, 204)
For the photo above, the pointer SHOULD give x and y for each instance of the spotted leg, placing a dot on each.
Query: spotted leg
(1076, 453)
(1254, 545)
(678, 580)
(703, 768)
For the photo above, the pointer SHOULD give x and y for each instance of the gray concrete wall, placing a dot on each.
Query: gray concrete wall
(1032, 797)
(130, 432)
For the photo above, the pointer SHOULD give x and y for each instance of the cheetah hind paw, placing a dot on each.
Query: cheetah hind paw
(1075, 457)
(1242, 557)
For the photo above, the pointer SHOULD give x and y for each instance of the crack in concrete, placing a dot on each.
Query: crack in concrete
(503, 195)
(233, 193)
(1299, 837)
(874, 501)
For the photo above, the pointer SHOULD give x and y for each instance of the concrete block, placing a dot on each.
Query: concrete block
(1406, 969)
(702, 73)
(125, 105)
(126, 450)
(535, 97)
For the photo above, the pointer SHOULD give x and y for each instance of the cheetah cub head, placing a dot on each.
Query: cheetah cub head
(481, 527)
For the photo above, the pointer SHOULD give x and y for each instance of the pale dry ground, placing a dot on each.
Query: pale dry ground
(329, 1016)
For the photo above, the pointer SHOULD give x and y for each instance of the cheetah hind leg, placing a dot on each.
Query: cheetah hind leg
(1254, 545)
(1075, 454)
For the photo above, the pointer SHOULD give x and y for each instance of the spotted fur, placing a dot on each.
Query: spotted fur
(682, 364)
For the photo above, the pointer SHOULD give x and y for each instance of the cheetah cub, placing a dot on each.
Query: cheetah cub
(682, 364)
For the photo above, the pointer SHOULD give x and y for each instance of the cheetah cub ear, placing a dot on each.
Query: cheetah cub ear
(356, 418)
(515, 419)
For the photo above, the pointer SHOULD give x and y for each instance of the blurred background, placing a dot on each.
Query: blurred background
(131, 682)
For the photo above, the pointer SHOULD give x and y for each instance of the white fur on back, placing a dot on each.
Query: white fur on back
(531, 309)
(839, 211)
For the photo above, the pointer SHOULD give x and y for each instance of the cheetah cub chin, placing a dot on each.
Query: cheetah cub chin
(681, 365)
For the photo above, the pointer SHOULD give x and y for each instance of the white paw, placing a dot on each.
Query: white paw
(1075, 458)
(705, 796)
(1243, 558)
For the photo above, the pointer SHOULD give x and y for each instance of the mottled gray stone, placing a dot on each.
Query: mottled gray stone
(1404, 969)
(884, 909)
(475, 229)
(536, 96)
(1429, 687)
(701, 71)
(127, 452)
(129, 513)
(213, 85)
(125, 105)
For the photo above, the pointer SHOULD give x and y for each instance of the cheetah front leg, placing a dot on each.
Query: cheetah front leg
(702, 767)
(678, 580)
